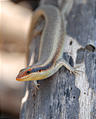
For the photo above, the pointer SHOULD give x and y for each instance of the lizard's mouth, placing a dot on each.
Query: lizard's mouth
(19, 79)
(25, 78)
(28, 77)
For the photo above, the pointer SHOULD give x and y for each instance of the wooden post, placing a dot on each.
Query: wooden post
(65, 96)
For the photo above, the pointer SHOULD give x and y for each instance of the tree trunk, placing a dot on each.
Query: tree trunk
(64, 95)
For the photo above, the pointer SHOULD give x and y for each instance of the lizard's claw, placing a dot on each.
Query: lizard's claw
(35, 87)
(75, 71)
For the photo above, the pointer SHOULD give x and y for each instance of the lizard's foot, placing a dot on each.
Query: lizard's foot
(35, 86)
(75, 71)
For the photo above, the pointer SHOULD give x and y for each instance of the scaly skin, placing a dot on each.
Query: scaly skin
(51, 46)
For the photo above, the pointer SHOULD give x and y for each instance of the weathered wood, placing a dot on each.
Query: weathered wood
(65, 96)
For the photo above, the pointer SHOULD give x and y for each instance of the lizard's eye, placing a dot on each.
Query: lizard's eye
(28, 72)
(40, 70)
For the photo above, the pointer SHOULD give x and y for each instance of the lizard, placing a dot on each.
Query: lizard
(51, 46)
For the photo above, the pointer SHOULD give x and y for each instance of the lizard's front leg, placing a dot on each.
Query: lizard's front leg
(62, 62)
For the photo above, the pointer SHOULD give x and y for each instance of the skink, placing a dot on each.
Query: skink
(51, 46)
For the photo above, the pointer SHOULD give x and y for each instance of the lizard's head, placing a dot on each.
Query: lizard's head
(31, 73)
